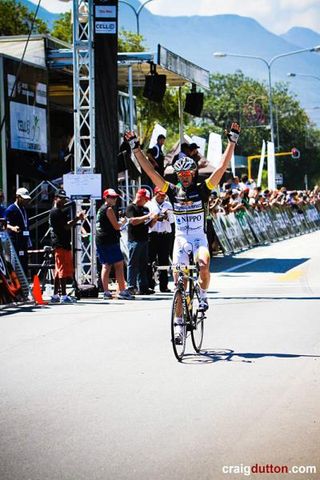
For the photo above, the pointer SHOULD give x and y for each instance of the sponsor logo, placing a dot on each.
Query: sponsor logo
(106, 27)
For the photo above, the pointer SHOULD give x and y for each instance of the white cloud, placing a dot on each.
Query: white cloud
(55, 6)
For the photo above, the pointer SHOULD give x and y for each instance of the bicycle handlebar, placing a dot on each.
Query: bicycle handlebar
(177, 267)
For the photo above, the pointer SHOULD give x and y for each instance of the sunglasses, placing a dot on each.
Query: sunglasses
(185, 173)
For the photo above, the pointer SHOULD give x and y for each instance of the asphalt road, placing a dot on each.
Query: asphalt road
(93, 391)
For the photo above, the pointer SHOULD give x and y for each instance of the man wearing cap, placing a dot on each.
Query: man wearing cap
(184, 152)
(108, 245)
(140, 219)
(160, 237)
(193, 147)
(61, 227)
(18, 226)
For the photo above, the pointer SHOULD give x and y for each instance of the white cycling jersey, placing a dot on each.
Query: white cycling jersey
(190, 219)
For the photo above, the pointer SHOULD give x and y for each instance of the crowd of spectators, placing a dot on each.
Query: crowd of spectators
(243, 194)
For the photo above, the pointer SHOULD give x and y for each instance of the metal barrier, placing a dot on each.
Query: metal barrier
(242, 230)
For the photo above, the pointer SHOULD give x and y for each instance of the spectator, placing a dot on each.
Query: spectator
(184, 152)
(236, 202)
(18, 226)
(108, 245)
(160, 237)
(235, 184)
(194, 154)
(245, 182)
(245, 200)
(140, 219)
(158, 155)
(61, 228)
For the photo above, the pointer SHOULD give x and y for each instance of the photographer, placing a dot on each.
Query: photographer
(61, 227)
(160, 237)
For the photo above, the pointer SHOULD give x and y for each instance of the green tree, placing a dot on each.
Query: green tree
(235, 98)
(62, 27)
(130, 42)
(16, 19)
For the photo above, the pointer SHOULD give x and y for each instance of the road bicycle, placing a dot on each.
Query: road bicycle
(186, 307)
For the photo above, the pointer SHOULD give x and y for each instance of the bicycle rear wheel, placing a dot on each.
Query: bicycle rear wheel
(197, 321)
(178, 328)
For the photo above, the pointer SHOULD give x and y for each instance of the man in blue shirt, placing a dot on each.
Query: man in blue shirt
(18, 226)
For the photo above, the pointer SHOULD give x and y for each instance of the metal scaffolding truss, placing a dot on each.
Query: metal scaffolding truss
(84, 134)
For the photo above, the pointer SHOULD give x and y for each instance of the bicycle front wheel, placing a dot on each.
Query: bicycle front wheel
(178, 325)
(197, 322)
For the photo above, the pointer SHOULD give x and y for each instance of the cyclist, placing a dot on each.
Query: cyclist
(189, 200)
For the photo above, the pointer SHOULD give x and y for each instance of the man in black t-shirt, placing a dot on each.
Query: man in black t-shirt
(157, 154)
(140, 219)
(61, 227)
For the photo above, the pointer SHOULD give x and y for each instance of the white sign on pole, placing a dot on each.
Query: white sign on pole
(82, 185)
(263, 152)
(271, 167)
(157, 130)
(28, 127)
(201, 142)
(233, 165)
(214, 149)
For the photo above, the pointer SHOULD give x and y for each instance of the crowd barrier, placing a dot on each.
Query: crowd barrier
(14, 287)
(245, 229)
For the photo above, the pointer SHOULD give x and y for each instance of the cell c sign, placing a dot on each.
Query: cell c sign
(105, 27)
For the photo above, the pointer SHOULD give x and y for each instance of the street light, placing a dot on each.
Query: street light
(136, 11)
(303, 75)
(268, 64)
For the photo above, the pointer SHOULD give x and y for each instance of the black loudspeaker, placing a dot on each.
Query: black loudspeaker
(194, 103)
(155, 87)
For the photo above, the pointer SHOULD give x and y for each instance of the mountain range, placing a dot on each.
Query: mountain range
(197, 37)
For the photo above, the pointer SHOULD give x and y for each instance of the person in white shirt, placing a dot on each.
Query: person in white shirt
(160, 237)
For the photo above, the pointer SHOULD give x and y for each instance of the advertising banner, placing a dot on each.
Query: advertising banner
(28, 128)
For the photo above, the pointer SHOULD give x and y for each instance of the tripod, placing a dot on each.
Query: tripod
(46, 270)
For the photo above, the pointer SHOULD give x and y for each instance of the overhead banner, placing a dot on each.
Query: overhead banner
(28, 128)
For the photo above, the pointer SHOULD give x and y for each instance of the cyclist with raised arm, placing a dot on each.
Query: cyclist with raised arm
(189, 200)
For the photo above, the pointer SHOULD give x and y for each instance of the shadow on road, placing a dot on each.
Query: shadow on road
(264, 297)
(213, 356)
(266, 265)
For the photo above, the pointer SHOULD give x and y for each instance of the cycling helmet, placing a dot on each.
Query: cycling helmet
(184, 164)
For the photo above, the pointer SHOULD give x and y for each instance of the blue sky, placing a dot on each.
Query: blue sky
(278, 16)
